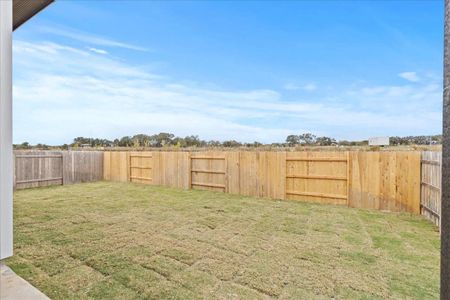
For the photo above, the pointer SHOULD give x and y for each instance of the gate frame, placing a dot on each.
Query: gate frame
(131, 167)
(320, 177)
(205, 171)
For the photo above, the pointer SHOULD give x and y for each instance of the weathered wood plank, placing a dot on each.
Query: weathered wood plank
(431, 186)
(43, 168)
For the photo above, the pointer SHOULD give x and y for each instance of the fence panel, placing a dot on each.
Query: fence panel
(141, 167)
(82, 166)
(37, 168)
(115, 166)
(272, 175)
(233, 174)
(248, 173)
(431, 186)
(317, 176)
(44, 168)
(385, 180)
(208, 170)
(171, 169)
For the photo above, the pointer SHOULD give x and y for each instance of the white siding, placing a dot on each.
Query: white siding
(6, 161)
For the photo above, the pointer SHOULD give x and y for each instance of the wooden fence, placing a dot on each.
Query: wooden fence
(44, 168)
(387, 180)
(431, 186)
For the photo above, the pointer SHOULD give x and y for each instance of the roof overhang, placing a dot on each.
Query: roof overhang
(23, 10)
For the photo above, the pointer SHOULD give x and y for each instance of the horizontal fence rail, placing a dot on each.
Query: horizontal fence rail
(384, 180)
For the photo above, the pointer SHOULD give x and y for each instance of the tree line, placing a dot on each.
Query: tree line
(170, 140)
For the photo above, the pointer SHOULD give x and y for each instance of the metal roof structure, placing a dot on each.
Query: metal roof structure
(23, 10)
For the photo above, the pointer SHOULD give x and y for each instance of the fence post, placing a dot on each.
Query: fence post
(190, 170)
(348, 177)
(62, 169)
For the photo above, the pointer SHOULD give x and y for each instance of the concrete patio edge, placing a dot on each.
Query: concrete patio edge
(13, 287)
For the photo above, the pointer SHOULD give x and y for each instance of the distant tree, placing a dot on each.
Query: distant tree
(255, 144)
(161, 139)
(396, 140)
(193, 141)
(141, 140)
(344, 143)
(136, 142)
(80, 141)
(231, 144)
(23, 146)
(213, 143)
(325, 141)
(277, 145)
(437, 139)
(168, 139)
(293, 140)
(125, 141)
(307, 138)
(42, 147)
(179, 142)
(92, 142)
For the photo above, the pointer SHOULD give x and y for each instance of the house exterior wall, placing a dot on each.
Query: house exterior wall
(6, 162)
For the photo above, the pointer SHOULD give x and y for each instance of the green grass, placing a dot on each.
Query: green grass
(127, 241)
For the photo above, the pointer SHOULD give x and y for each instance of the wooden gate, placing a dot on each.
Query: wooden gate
(320, 176)
(430, 200)
(141, 167)
(208, 171)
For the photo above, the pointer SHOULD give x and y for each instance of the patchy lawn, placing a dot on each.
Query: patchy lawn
(127, 241)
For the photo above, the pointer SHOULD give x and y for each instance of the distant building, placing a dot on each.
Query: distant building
(379, 141)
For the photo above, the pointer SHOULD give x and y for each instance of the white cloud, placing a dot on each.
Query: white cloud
(89, 38)
(292, 86)
(310, 87)
(98, 51)
(74, 92)
(410, 76)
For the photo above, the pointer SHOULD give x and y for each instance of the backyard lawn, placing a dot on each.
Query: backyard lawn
(128, 241)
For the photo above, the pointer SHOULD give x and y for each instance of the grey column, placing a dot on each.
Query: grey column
(445, 215)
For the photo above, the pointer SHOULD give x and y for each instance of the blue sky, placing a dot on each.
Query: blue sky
(250, 71)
